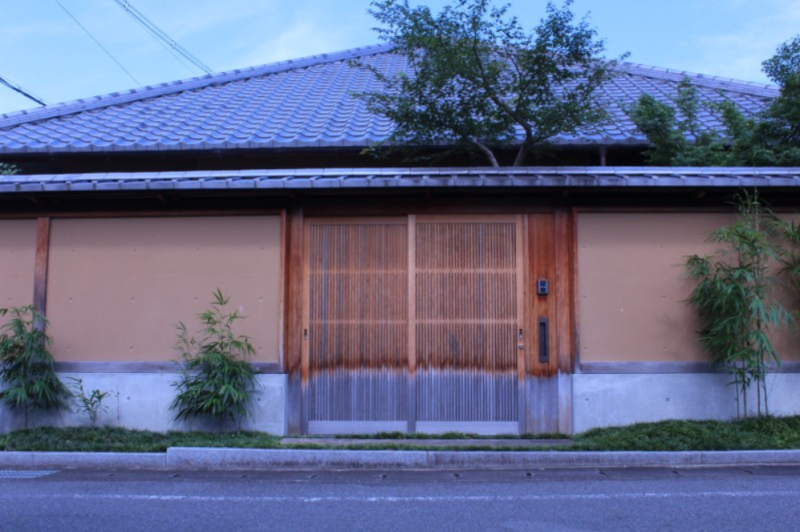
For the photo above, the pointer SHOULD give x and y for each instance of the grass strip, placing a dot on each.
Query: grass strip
(749, 434)
(112, 439)
(680, 435)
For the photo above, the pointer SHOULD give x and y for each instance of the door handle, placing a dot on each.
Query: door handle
(544, 341)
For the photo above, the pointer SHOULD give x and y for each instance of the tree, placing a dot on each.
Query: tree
(770, 138)
(781, 124)
(677, 138)
(478, 80)
(785, 64)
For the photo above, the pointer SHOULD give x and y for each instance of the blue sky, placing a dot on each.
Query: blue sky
(48, 54)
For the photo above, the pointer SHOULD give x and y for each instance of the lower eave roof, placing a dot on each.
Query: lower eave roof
(404, 178)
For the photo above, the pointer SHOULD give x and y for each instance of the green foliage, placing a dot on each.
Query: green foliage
(8, 169)
(26, 366)
(216, 378)
(116, 439)
(677, 138)
(770, 138)
(478, 77)
(734, 302)
(91, 404)
(785, 64)
(780, 126)
(682, 435)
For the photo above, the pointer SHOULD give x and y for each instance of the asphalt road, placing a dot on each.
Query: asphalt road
(759, 498)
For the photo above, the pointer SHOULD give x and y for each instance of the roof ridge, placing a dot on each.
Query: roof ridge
(730, 84)
(16, 118)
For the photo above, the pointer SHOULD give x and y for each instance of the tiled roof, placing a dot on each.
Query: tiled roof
(302, 103)
(371, 179)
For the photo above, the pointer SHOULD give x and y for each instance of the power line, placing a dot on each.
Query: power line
(168, 48)
(162, 37)
(98, 42)
(13, 86)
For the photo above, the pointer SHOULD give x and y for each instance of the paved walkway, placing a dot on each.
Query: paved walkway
(425, 442)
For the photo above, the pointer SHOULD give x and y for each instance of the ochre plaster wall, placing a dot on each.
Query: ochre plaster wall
(117, 287)
(17, 260)
(632, 288)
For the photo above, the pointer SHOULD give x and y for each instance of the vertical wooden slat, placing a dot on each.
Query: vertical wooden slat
(40, 267)
(293, 332)
(411, 397)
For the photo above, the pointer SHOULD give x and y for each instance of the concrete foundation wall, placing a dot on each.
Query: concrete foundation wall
(141, 401)
(612, 400)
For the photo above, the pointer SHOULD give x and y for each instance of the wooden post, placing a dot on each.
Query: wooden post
(565, 311)
(293, 333)
(40, 267)
(284, 239)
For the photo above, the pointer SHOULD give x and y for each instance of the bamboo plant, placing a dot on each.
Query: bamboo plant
(216, 379)
(734, 299)
(26, 366)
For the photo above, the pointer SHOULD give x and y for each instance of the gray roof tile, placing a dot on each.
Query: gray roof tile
(302, 103)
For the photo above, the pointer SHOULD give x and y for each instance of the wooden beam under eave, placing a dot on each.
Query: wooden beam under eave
(40, 266)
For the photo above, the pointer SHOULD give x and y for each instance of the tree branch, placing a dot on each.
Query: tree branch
(529, 139)
(484, 150)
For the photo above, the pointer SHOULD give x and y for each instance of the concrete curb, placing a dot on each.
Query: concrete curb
(201, 458)
(187, 458)
(36, 459)
(205, 458)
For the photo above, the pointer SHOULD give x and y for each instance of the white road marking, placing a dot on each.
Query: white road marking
(413, 499)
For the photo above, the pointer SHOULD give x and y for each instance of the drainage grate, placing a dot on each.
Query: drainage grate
(25, 474)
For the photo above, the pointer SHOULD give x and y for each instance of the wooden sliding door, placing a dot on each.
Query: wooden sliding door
(356, 337)
(414, 324)
(467, 317)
